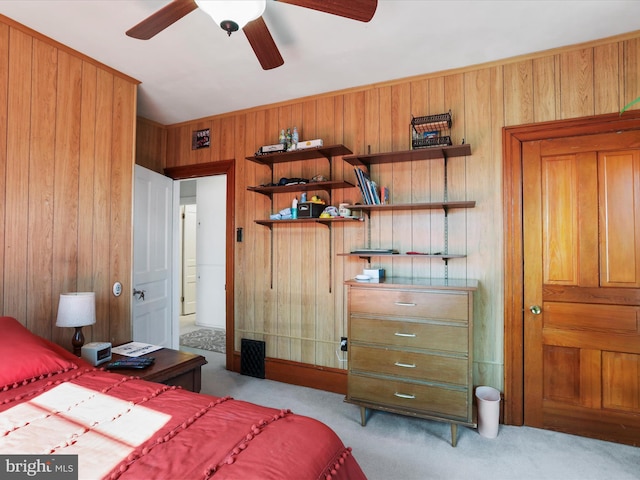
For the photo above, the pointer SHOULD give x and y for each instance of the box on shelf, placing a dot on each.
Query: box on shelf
(309, 144)
(374, 273)
(310, 209)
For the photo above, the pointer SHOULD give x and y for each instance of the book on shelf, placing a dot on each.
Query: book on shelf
(378, 251)
(368, 187)
(384, 195)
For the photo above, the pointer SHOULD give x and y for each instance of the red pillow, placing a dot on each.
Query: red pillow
(25, 356)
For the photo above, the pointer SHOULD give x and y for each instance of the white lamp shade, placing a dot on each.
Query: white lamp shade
(76, 309)
(238, 11)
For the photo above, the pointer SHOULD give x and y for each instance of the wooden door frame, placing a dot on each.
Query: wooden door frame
(512, 140)
(206, 170)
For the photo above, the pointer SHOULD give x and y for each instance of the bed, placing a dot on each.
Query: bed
(121, 427)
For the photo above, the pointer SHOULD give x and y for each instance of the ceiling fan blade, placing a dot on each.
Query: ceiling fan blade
(361, 10)
(262, 43)
(160, 20)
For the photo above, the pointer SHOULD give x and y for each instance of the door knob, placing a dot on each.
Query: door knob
(138, 293)
(535, 309)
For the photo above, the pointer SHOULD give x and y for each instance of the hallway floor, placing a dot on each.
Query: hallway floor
(188, 324)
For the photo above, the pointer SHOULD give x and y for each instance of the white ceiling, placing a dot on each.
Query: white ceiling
(193, 70)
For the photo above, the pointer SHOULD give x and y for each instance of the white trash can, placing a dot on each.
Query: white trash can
(488, 411)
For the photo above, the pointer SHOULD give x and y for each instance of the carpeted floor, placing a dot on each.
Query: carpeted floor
(400, 447)
(212, 339)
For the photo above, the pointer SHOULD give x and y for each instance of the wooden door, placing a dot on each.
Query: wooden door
(189, 267)
(581, 245)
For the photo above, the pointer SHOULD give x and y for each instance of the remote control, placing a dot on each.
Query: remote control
(135, 362)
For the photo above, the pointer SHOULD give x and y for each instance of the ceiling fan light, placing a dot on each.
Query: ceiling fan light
(232, 15)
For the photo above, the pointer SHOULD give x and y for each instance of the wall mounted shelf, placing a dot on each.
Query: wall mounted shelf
(367, 256)
(415, 206)
(409, 155)
(324, 221)
(328, 152)
(301, 187)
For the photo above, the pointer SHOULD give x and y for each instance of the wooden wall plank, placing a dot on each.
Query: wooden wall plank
(86, 186)
(121, 197)
(17, 172)
(631, 72)
(576, 79)
(310, 286)
(420, 185)
(40, 311)
(400, 139)
(151, 145)
(438, 103)
(66, 182)
(385, 235)
(489, 357)
(457, 183)
(329, 113)
(544, 90)
(605, 82)
(102, 205)
(4, 87)
(518, 93)
(243, 260)
(482, 185)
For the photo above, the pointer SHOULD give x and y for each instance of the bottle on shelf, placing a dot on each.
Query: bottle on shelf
(294, 208)
(294, 137)
(288, 139)
(283, 138)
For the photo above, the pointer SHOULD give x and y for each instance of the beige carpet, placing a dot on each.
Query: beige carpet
(394, 447)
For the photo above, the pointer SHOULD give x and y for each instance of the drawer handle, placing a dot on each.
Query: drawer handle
(398, 334)
(405, 304)
(405, 365)
(404, 395)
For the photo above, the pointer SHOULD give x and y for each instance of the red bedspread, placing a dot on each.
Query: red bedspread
(123, 427)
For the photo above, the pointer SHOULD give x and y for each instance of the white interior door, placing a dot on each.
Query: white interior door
(152, 257)
(189, 259)
(211, 251)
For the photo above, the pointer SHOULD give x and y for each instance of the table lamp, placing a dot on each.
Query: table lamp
(77, 309)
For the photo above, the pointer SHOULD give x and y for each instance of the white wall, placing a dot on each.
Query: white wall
(211, 198)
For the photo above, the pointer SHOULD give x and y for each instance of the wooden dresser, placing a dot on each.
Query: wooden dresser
(410, 348)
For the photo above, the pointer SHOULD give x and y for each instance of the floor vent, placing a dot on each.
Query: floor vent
(252, 354)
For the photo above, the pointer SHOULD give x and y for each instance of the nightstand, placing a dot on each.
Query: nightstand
(171, 367)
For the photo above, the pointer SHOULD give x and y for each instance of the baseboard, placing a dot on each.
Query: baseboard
(302, 374)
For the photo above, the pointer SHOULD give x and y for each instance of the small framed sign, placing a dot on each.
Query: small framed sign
(200, 139)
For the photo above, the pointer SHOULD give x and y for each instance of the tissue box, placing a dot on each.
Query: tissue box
(374, 273)
(310, 209)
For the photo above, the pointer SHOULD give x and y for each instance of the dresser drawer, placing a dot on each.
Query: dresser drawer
(420, 366)
(425, 399)
(437, 305)
(419, 335)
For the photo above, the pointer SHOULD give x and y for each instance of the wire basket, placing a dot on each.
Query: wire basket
(427, 131)
(430, 123)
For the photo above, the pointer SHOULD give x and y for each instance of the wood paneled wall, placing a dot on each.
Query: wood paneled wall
(289, 282)
(151, 145)
(67, 129)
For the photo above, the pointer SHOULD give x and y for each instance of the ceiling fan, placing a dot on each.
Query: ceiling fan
(232, 15)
